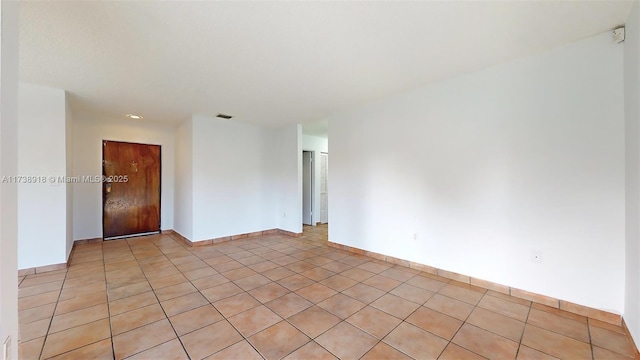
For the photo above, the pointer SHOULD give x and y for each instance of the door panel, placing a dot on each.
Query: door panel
(131, 190)
(324, 190)
(307, 175)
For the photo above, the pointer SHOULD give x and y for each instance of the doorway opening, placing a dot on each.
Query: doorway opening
(131, 186)
(307, 188)
(313, 175)
(324, 188)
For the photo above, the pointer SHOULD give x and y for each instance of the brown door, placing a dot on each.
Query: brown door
(131, 189)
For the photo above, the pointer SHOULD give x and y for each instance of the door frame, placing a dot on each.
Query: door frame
(102, 185)
(313, 183)
(320, 192)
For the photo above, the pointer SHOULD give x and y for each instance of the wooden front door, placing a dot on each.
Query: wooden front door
(130, 189)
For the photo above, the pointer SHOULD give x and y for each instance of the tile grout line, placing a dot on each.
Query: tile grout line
(174, 264)
(369, 304)
(530, 307)
(231, 281)
(20, 341)
(314, 249)
(245, 265)
(152, 290)
(108, 313)
(590, 341)
(395, 327)
(294, 292)
(587, 319)
(54, 311)
(401, 320)
(526, 323)
(46, 336)
(386, 293)
(225, 318)
(287, 319)
(361, 282)
(524, 328)
(104, 268)
(316, 304)
(159, 303)
(463, 321)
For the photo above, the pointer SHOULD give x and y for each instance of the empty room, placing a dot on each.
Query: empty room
(320, 180)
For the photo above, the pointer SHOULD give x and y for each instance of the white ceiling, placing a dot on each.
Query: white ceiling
(276, 63)
(316, 128)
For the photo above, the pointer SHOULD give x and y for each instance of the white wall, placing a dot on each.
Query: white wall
(183, 215)
(287, 152)
(318, 145)
(227, 178)
(42, 216)
(234, 166)
(487, 167)
(88, 133)
(9, 14)
(68, 124)
(632, 132)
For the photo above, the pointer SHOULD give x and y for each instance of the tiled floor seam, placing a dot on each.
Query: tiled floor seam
(66, 352)
(590, 340)
(54, 314)
(449, 341)
(312, 339)
(295, 251)
(261, 304)
(104, 268)
(365, 354)
(462, 325)
(238, 330)
(153, 347)
(159, 303)
(46, 335)
(561, 334)
(210, 303)
(158, 298)
(402, 320)
(287, 319)
(526, 320)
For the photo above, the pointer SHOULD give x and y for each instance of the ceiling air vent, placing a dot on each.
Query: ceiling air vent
(224, 116)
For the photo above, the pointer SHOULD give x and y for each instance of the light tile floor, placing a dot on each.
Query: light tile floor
(279, 297)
